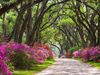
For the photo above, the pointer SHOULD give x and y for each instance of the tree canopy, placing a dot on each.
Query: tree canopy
(68, 23)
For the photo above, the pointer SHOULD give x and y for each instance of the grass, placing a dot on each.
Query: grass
(35, 69)
(94, 64)
(91, 63)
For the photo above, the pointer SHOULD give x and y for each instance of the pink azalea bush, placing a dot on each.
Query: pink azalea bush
(76, 54)
(88, 54)
(4, 69)
(3, 60)
(41, 53)
(14, 52)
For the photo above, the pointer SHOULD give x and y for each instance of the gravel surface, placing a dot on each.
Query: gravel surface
(69, 67)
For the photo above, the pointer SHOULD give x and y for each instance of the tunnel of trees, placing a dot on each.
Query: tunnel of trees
(61, 23)
(71, 22)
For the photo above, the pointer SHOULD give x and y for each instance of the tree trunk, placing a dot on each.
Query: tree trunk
(26, 22)
(4, 26)
(38, 20)
(98, 43)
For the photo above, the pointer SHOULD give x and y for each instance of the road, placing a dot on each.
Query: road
(69, 67)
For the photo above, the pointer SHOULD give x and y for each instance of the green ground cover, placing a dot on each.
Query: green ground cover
(91, 63)
(94, 64)
(37, 68)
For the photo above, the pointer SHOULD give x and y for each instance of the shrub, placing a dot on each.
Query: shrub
(4, 69)
(71, 50)
(22, 56)
(3, 60)
(76, 54)
(94, 53)
(88, 54)
(85, 54)
(20, 60)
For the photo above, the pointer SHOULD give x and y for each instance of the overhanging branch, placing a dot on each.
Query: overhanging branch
(7, 7)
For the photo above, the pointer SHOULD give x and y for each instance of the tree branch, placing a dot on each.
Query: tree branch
(7, 7)
(55, 4)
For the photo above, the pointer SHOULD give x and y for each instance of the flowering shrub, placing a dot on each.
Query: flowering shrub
(88, 54)
(3, 60)
(76, 54)
(72, 49)
(4, 69)
(94, 53)
(22, 55)
(41, 52)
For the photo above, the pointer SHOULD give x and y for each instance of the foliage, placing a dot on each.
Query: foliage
(4, 69)
(94, 64)
(22, 56)
(3, 60)
(66, 23)
(21, 61)
(35, 69)
(72, 49)
(76, 54)
(88, 54)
